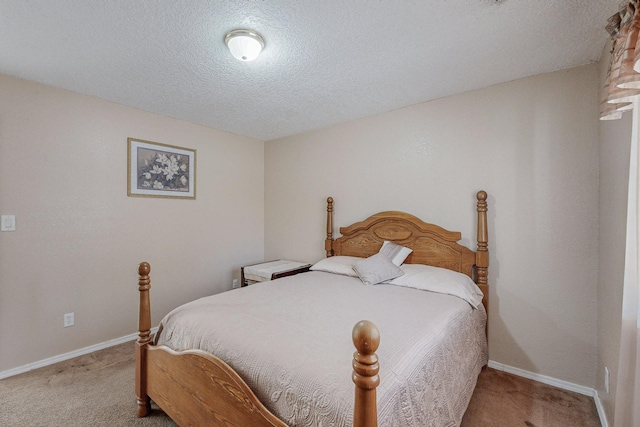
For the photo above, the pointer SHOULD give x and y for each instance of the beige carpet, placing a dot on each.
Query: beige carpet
(505, 400)
(97, 390)
(92, 390)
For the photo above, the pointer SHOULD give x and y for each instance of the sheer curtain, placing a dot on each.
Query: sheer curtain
(621, 93)
(627, 411)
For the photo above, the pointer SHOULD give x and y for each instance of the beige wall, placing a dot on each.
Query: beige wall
(79, 238)
(532, 144)
(615, 145)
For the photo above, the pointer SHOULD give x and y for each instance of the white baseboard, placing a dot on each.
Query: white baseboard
(70, 355)
(565, 385)
(601, 413)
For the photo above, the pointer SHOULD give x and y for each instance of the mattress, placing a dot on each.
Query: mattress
(290, 340)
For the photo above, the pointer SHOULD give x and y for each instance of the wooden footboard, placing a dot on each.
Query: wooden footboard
(196, 388)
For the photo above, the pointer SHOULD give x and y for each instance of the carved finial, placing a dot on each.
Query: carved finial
(144, 313)
(144, 269)
(328, 242)
(482, 254)
(366, 337)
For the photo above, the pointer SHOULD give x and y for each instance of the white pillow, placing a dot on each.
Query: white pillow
(338, 265)
(441, 280)
(396, 253)
(376, 269)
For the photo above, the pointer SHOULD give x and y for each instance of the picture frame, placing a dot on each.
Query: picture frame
(160, 170)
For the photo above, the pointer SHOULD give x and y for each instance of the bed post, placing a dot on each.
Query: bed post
(328, 243)
(366, 339)
(144, 338)
(482, 255)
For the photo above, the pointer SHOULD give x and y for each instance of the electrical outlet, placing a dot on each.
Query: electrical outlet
(235, 283)
(606, 379)
(68, 320)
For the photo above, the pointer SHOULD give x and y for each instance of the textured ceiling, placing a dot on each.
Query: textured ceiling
(325, 61)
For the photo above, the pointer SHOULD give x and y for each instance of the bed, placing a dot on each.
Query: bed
(278, 353)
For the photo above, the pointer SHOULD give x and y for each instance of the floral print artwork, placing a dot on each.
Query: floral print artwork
(161, 170)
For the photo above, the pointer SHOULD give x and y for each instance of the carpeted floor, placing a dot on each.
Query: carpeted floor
(504, 400)
(97, 390)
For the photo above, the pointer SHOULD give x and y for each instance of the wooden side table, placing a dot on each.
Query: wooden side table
(271, 270)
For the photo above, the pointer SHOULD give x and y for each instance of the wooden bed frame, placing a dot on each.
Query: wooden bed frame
(195, 388)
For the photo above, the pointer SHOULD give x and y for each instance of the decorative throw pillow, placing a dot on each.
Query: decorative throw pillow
(376, 269)
(396, 253)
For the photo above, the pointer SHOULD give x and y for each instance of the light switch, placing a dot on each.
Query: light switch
(8, 223)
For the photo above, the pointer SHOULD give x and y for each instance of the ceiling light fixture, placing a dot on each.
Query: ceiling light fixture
(245, 45)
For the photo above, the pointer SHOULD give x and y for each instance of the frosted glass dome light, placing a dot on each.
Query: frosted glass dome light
(244, 45)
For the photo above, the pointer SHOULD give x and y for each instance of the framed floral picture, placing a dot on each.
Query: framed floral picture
(160, 170)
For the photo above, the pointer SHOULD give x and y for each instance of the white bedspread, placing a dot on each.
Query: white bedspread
(290, 340)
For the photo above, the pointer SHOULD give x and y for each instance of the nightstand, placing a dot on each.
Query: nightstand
(271, 270)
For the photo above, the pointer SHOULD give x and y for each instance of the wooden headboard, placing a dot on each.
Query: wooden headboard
(431, 244)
